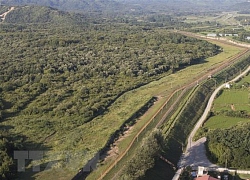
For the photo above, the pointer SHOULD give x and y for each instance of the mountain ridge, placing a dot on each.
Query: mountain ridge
(117, 6)
(68, 5)
(39, 14)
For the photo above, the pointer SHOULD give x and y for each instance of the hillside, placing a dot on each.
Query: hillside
(28, 15)
(57, 81)
(118, 6)
(36, 14)
(70, 5)
(243, 7)
(180, 6)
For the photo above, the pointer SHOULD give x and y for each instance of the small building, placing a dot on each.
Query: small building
(227, 85)
(212, 35)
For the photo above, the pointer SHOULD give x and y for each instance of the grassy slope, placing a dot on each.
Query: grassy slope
(92, 136)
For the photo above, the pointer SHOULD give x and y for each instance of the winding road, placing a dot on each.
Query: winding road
(195, 154)
(3, 16)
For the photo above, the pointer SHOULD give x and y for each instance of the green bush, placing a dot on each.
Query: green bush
(230, 146)
(144, 157)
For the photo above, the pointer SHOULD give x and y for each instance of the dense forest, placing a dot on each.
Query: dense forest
(91, 65)
(82, 64)
(144, 157)
(6, 154)
(68, 69)
(230, 147)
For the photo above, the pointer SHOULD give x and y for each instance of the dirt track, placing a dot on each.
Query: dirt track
(3, 16)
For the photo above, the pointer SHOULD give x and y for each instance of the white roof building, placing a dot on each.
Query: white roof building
(211, 35)
(227, 85)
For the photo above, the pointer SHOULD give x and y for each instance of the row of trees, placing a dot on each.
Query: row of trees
(6, 152)
(231, 113)
(144, 157)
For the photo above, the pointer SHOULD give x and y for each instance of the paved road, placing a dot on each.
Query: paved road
(195, 154)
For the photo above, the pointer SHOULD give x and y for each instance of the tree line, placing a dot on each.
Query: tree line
(230, 147)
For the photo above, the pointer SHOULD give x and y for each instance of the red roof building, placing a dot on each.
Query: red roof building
(206, 177)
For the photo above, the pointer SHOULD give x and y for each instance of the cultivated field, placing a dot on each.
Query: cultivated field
(235, 99)
(232, 99)
(219, 122)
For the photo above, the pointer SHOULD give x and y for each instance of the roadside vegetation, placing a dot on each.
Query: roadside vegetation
(230, 147)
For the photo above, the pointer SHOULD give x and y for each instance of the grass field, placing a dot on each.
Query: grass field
(238, 98)
(231, 100)
(91, 137)
(246, 79)
(244, 176)
(220, 122)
